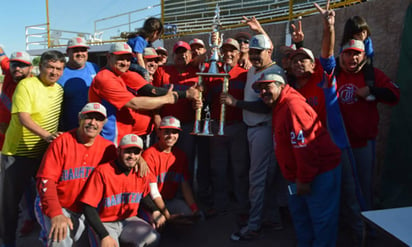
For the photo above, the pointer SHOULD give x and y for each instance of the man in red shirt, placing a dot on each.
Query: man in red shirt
(15, 69)
(307, 158)
(182, 75)
(169, 168)
(66, 166)
(115, 88)
(112, 197)
(229, 152)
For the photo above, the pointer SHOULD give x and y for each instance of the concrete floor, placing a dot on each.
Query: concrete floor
(215, 232)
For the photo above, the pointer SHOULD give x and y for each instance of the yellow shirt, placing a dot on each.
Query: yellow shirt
(43, 103)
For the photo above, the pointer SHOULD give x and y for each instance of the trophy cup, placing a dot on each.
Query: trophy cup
(213, 71)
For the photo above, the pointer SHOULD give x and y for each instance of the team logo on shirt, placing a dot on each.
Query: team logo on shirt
(347, 94)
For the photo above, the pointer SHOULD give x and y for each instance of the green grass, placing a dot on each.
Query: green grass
(1, 78)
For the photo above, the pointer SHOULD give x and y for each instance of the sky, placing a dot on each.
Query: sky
(73, 15)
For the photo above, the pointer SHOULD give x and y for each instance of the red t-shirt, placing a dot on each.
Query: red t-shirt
(237, 81)
(116, 195)
(361, 117)
(303, 146)
(169, 170)
(66, 166)
(142, 124)
(167, 75)
(110, 90)
(6, 95)
(314, 93)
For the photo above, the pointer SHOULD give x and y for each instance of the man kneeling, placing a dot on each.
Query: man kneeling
(111, 200)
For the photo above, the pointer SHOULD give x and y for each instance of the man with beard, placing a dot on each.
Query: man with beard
(65, 168)
(112, 197)
(258, 118)
(15, 69)
(34, 123)
(75, 81)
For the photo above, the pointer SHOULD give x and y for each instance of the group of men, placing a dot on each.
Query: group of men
(119, 125)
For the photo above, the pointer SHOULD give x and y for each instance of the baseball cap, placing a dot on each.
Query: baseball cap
(150, 52)
(77, 42)
(196, 41)
(170, 122)
(244, 35)
(131, 140)
(270, 75)
(120, 49)
(260, 42)
(20, 56)
(284, 49)
(354, 44)
(232, 42)
(303, 51)
(94, 107)
(181, 44)
(161, 49)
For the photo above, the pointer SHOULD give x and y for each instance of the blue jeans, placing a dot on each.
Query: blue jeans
(365, 161)
(315, 216)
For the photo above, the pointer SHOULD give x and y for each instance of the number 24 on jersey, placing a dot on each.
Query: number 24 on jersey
(297, 139)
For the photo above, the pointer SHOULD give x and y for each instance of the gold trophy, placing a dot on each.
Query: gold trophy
(213, 71)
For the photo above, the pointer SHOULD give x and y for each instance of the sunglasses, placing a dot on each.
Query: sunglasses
(133, 150)
(240, 41)
(94, 115)
(16, 64)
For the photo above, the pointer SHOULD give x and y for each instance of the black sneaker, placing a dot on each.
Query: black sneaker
(245, 235)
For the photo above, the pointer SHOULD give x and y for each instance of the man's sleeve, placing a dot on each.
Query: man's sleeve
(108, 87)
(328, 64)
(48, 176)
(385, 90)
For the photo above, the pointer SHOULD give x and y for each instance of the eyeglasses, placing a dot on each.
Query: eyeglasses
(16, 64)
(240, 41)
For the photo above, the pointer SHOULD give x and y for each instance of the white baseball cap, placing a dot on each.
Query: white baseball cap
(271, 75)
(131, 140)
(170, 122)
(150, 52)
(197, 41)
(120, 48)
(77, 42)
(232, 42)
(355, 45)
(94, 107)
(305, 52)
(260, 42)
(20, 56)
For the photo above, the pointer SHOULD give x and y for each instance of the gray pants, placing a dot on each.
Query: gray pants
(262, 172)
(132, 231)
(76, 237)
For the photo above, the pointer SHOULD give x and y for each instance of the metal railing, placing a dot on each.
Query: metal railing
(194, 17)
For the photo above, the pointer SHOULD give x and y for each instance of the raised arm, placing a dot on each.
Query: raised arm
(255, 26)
(328, 40)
